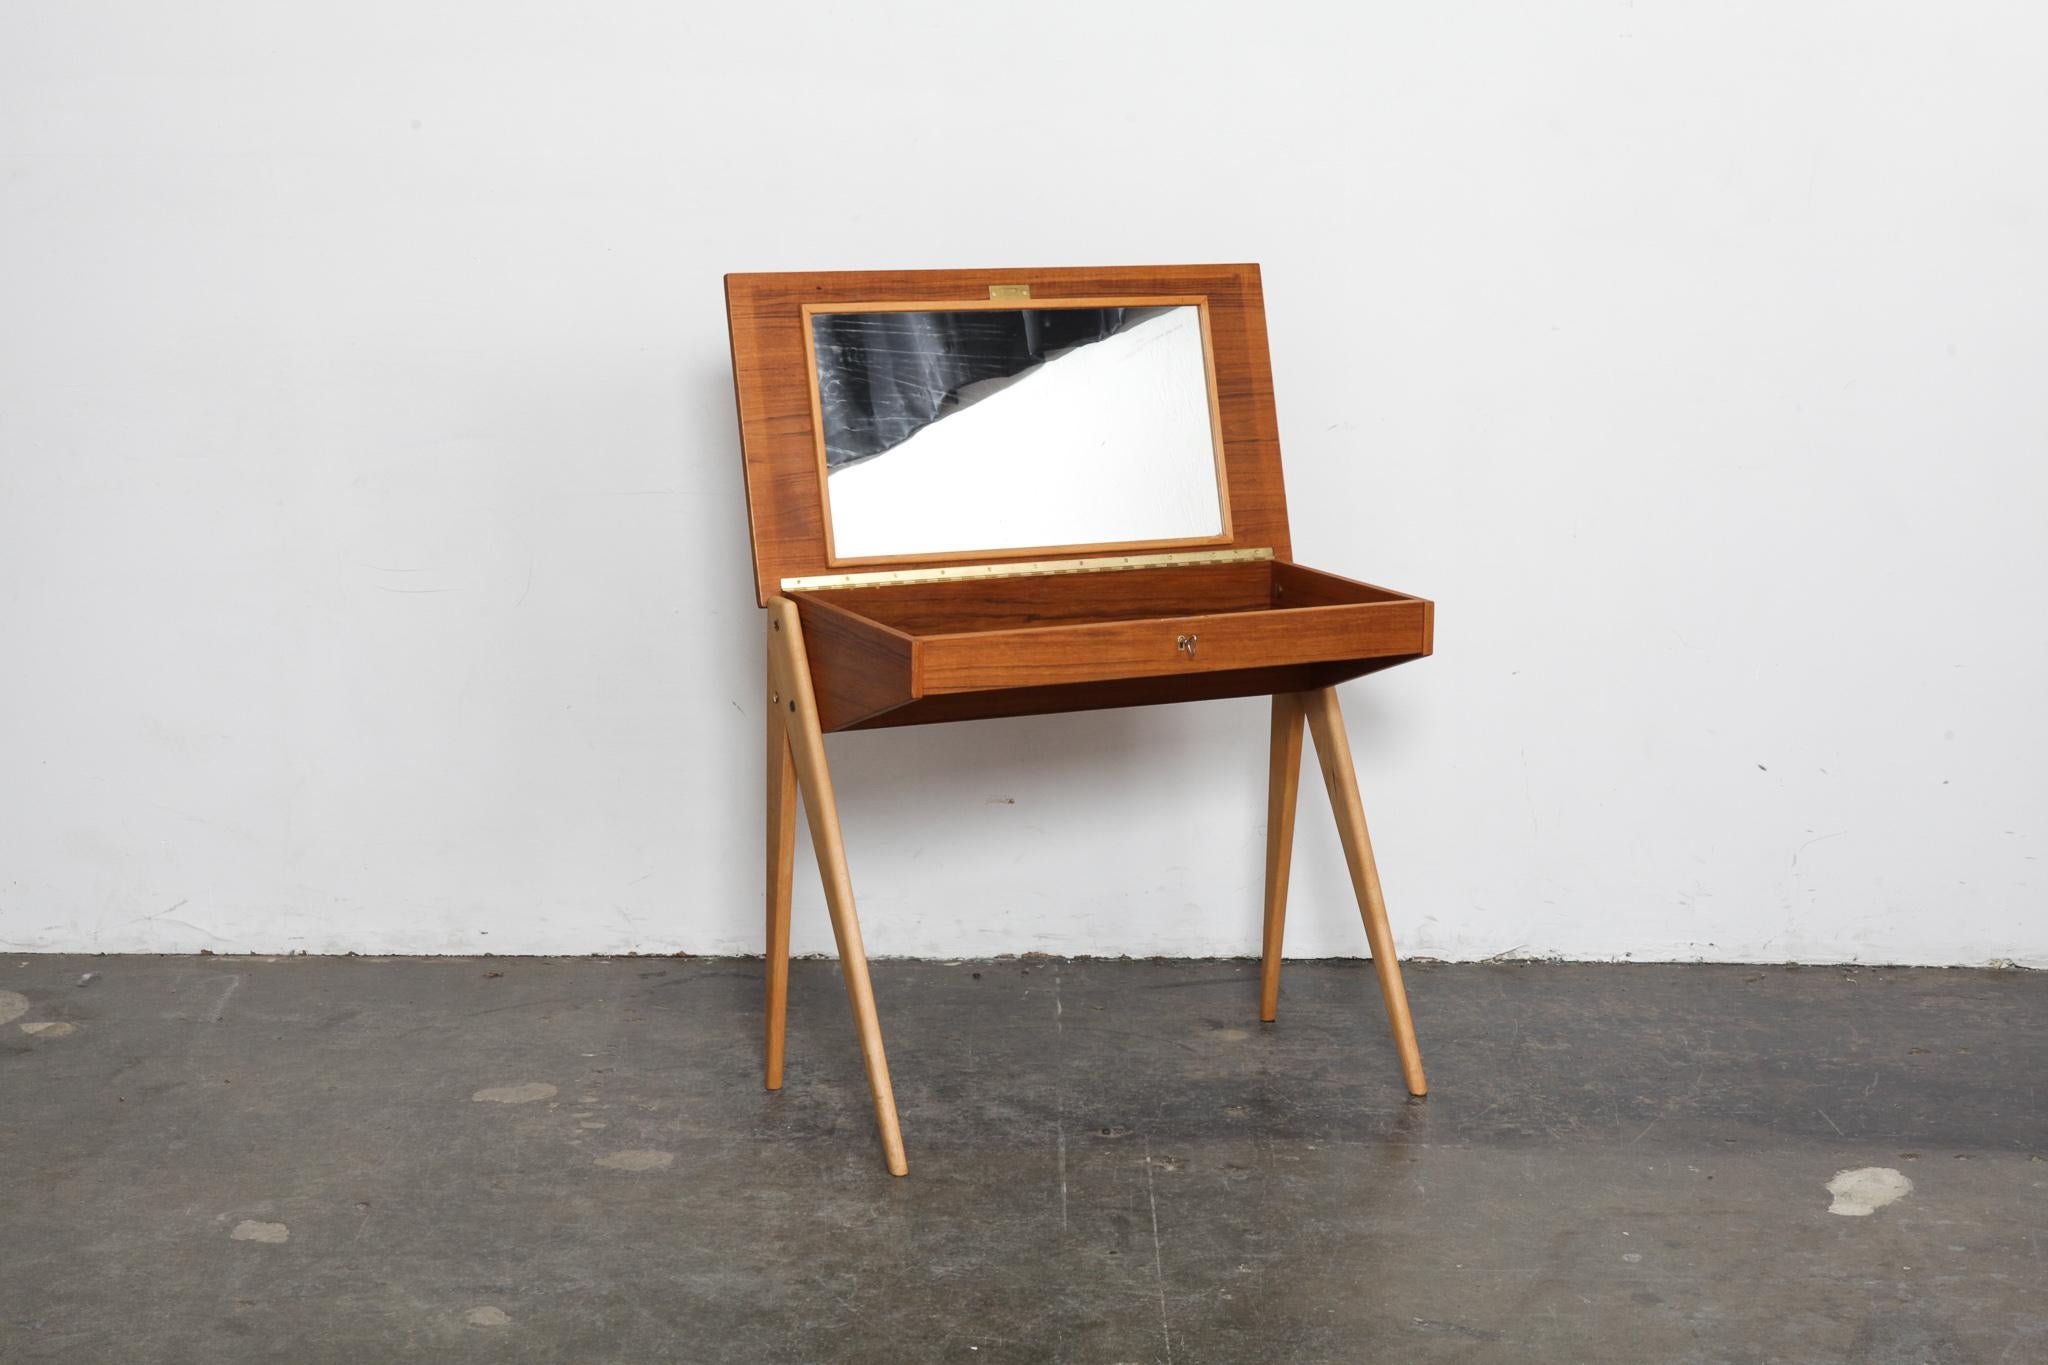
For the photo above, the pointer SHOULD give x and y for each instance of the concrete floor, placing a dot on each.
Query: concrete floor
(236, 1159)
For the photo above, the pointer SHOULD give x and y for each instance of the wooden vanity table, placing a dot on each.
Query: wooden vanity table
(1006, 492)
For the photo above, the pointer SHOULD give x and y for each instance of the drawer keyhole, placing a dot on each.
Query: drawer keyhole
(1186, 645)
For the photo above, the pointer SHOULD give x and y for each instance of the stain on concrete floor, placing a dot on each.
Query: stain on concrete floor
(1110, 1161)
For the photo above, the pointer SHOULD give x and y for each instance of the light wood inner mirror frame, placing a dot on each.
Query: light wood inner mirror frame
(1007, 304)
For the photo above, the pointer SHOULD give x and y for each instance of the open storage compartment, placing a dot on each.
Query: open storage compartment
(909, 653)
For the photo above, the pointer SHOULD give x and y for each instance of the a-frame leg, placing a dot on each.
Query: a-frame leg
(1283, 781)
(781, 863)
(1333, 753)
(789, 681)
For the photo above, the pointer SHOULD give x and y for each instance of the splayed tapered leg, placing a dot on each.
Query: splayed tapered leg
(1283, 781)
(1333, 753)
(790, 676)
(781, 864)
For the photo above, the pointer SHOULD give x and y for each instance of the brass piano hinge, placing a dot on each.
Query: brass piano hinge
(949, 573)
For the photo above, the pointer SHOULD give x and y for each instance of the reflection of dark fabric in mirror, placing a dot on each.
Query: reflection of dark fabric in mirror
(882, 377)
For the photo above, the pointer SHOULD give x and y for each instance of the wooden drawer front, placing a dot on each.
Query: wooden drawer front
(1151, 647)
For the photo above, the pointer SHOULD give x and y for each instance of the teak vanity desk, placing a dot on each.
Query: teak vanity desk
(935, 631)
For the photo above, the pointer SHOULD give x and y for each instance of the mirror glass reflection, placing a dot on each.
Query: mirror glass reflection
(1015, 428)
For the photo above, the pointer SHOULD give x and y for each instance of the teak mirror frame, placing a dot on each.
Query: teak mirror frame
(930, 638)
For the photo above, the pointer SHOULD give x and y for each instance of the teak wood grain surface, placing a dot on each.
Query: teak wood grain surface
(773, 382)
(880, 650)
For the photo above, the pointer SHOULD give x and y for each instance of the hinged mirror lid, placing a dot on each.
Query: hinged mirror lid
(1010, 417)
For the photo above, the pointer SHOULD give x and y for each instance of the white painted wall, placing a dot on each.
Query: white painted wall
(372, 571)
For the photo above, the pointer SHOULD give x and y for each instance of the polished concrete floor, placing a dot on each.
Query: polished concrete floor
(235, 1159)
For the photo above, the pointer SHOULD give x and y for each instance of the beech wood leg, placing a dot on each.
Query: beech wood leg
(1333, 753)
(781, 863)
(1283, 781)
(790, 676)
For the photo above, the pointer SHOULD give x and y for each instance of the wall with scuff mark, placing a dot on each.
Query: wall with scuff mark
(372, 560)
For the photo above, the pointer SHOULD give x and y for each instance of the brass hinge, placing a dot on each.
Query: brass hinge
(951, 573)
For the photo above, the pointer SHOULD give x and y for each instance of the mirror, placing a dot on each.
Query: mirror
(1012, 428)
